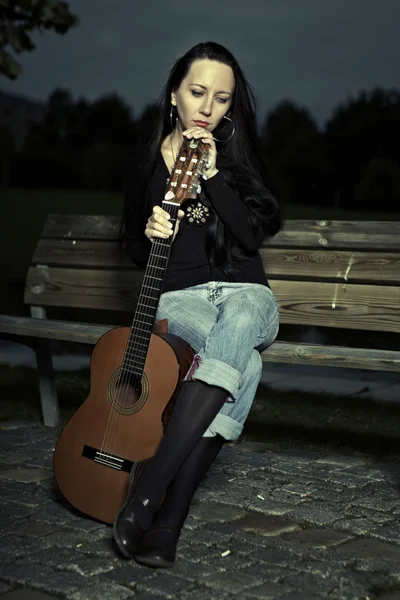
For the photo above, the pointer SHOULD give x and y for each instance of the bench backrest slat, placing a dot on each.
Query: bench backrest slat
(353, 306)
(379, 235)
(376, 235)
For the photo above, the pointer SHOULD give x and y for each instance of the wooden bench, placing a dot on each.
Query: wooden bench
(336, 274)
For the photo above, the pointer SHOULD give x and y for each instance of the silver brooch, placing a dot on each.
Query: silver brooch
(196, 213)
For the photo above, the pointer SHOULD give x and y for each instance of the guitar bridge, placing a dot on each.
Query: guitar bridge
(107, 459)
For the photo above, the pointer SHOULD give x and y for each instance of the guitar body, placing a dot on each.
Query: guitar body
(115, 427)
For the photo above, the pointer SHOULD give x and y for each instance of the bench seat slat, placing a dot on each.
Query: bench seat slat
(284, 352)
(332, 356)
(85, 333)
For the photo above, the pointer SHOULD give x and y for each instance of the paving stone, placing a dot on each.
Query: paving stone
(195, 572)
(215, 512)
(266, 525)
(252, 447)
(22, 573)
(312, 584)
(202, 593)
(318, 538)
(75, 562)
(317, 514)
(379, 504)
(163, 584)
(274, 557)
(302, 595)
(267, 591)
(129, 574)
(360, 527)
(264, 505)
(342, 461)
(4, 587)
(27, 594)
(370, 548)
(103, 590)
(61, 582)
(390, 533)
(232, 582)
(26, 475)
(30, 528)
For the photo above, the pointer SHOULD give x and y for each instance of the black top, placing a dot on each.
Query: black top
(188, 263)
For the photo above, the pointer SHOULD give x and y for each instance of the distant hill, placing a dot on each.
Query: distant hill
(22, 104)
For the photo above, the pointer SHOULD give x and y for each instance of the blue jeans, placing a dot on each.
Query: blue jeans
(226, 324)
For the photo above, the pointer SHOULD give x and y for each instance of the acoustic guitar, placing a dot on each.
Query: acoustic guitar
(135, 376)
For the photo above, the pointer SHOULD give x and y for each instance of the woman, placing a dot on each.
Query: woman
(215, 294)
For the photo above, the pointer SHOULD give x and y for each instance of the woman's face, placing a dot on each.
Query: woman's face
(205, 94)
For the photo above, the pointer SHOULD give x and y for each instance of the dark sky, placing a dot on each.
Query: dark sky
(315, 52)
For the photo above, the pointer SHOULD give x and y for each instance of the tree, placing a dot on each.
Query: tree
(18, 18)
(109, 120)
(7, 149)
(363, 129)
(379, 186)
(293, 151)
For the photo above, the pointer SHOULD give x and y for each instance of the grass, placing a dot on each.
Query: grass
(314, 421)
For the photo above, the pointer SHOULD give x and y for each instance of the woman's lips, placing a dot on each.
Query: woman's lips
(202, 123)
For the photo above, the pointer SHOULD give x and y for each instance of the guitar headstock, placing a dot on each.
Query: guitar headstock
(188, 167)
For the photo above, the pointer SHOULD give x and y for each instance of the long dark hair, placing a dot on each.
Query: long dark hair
(239, 158)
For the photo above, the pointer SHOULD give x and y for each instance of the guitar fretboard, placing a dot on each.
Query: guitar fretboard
(146, 308)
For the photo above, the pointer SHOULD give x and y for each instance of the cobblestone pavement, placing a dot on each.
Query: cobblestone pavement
(265, 523)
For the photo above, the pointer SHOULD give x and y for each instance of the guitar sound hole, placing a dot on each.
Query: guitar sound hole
(127, 394)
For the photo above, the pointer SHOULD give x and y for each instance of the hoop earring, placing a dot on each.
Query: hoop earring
(232, 134)
(170, 117)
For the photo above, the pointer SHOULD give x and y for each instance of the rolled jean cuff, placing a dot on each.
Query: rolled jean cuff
(226, 427)
(216, 372)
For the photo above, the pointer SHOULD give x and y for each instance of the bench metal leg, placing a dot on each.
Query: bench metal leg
(47, 387)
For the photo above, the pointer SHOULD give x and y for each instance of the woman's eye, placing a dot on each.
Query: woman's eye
(197, 94)
(222, 100)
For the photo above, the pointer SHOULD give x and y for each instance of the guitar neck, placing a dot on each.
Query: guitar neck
(186, 170)
(149, 296)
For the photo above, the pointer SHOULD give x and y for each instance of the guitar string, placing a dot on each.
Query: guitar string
(131, 379)
(127, 378)
(121, 389)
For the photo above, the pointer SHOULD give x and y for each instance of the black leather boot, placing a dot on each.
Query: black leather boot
(127, 529)
(196, 406)
(159, 545)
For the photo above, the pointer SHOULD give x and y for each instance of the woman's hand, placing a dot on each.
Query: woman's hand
(159, 226)
(199, 133)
